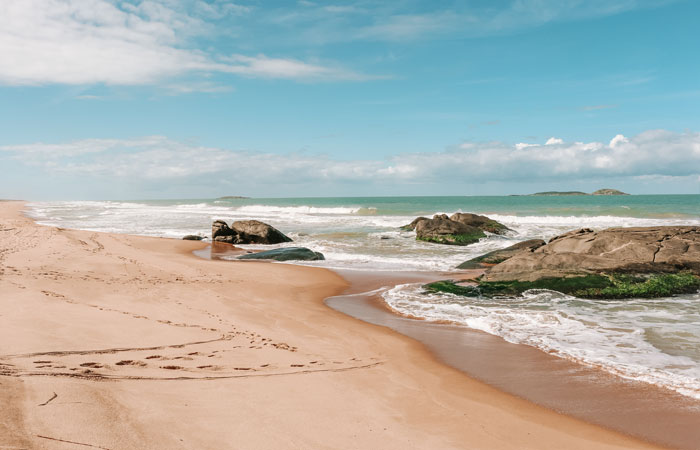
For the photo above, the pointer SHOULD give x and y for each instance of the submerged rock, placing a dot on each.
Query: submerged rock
(247, 232)
(192, 237)
(498, 256)
(286, 254)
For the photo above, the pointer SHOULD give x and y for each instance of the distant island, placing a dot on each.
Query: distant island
(598, 192)
(231, 197)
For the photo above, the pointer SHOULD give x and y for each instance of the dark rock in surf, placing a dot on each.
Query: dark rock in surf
(286, 254)
(442, 230)
(481, 222)
(192, 237)
(247, 232)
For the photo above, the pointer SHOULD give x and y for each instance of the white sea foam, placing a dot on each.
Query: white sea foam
(655, 341)
(287, 210)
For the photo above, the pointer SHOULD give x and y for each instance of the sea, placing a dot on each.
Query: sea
(655, 341)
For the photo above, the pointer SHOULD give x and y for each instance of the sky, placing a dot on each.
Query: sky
(130, 99)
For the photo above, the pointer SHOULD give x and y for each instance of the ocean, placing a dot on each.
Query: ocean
(655, 341)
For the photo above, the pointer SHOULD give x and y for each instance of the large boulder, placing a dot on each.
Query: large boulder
(286, 254)
(247, 232)
(442, 230)
(482, 222)
(615, 250)
(614, 263)
(256, 232)
(498, 256)
(443, 222)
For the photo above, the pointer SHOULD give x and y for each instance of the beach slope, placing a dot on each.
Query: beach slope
(115, 342)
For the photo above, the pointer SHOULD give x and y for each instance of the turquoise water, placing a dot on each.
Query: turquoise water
(649, 206)
(655, 341)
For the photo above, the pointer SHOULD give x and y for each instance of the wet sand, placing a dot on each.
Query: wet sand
(639, 409)
(117, 342)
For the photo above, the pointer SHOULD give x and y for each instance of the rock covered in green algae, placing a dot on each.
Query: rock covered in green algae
(458, 229)
(286, 254)
(598, 286)
(442, 230)
(641, 262)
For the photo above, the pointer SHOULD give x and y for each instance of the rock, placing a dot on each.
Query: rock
(473, 220)
(639, 262)
(648, 250)
(256, 232)
(247, 232)
(221, 232)
(498, 256)
(459, 229)
(192, 237)
(286, 254)
(442, 230)
(608, 192)
(482, 222)
(412, 226)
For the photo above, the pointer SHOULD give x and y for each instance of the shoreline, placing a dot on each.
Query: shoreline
(638, 409)
(158, 320)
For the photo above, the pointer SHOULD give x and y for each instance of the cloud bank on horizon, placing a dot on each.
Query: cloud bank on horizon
(157, 159)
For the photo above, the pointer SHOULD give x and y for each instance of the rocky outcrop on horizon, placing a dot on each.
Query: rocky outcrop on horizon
(247, 232)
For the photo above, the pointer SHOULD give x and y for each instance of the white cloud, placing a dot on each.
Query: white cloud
(655, 153)
(121, 43)
(554, 141)
(403, 21)
(618, 139)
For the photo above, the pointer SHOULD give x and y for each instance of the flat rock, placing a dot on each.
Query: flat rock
(639, 250)
(192, 237)
(498, 256)
(286, 254)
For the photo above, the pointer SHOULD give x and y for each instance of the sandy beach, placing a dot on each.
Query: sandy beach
(117, 342)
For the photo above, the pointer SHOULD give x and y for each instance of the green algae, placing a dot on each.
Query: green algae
(595, 286)
(454, 239)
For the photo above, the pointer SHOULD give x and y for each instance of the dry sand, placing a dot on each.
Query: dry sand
(120, 342)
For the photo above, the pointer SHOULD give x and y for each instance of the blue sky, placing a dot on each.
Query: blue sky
(135, 99)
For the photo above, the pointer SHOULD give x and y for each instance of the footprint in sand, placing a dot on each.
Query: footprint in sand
(94, 365)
